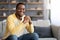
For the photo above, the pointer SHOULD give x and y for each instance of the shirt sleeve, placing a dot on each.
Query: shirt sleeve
(30, 28)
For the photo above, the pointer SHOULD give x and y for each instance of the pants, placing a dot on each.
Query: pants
(29, 36)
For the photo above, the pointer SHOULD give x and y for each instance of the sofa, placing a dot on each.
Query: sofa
(43, 28)
(46, 30)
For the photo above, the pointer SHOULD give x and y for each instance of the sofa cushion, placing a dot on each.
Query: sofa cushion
(42, 27)
(41, 23)
(43, 32)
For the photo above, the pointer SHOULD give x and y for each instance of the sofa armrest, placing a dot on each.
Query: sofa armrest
(56, 31)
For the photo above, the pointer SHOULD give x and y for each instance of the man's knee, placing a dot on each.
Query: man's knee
(30, 36)
(35, 35)
(12, 37)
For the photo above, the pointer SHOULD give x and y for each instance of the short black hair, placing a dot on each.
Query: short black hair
(19, 4)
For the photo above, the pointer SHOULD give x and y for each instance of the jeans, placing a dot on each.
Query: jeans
(29, 36)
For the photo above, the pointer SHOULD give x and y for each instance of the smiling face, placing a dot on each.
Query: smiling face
(20, 10)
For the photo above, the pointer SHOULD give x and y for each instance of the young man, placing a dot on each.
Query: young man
(16, 23)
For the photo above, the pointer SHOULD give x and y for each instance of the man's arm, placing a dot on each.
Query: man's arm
(29, 26)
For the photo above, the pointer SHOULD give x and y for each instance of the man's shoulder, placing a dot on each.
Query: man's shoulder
(11, 15)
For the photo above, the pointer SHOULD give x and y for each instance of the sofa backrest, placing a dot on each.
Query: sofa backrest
(42, 27)
(41, 23)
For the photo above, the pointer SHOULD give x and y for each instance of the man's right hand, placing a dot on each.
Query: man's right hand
(26, 19)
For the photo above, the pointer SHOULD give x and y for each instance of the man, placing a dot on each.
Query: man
(16, 23)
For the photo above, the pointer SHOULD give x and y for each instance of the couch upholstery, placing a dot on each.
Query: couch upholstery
(43, 28)
(56, 31)
(47, 24)
(40, 23)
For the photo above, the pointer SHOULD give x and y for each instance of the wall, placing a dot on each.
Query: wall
(55, 12)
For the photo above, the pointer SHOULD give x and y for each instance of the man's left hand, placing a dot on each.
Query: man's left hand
(28, 19)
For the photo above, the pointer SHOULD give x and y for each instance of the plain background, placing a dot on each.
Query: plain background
(55, 12)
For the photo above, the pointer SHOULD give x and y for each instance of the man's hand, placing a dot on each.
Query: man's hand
(27, 19)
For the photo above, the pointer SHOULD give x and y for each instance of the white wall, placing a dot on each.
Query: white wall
(55, 12)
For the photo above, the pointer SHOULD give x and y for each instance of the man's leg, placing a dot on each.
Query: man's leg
(20, 38)
(12, 37)
(30, 36)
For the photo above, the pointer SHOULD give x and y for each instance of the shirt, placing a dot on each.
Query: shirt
(14, 26)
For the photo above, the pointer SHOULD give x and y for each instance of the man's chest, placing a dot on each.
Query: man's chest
(17, 22)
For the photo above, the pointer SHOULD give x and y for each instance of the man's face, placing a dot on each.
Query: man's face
(20, 10)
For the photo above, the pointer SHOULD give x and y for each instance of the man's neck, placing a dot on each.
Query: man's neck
(18, 16)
